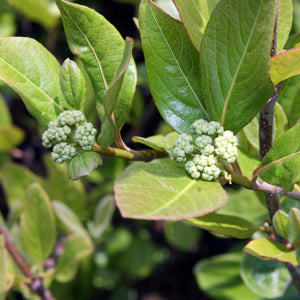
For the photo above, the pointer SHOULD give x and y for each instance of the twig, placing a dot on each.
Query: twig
(130, 154)
(37, 284)
(265, 142)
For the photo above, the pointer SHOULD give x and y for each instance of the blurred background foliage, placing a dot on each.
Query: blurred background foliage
(98, 254)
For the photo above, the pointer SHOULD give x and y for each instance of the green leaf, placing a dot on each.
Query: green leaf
(281, 164)
(60, 187)
(112, 96)
(285, 65)
(140, 258)
(219, 277)
(264, 248)
(5, 118)
(40, 11)
(83, 164)
(280, 222)
(10, 137)
(288, 99)
(102, 216)
(294, 225)
(285, 21)
(162, 190)
(100, 47)
(226, 225)
(32, 72)
(72, 84)
(269, 279)
(157, 142)
(235, 71)
(68, 218)
(280, 122)
(292, 41)
(182, 236)
(76, 247)
(245, 204)
(38, 228)
(15, 179)
(3, 268)
(8, 26)
(247, 163)
(195, 15)
(172, 67)
(113, 92)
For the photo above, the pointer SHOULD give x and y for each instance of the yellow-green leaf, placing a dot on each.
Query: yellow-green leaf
(285, 65)
(268, 249)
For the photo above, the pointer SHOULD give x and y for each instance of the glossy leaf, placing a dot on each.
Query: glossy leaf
(281, 164)
(195, 15)
(219, 277)
(234, 58)
(68, 218)
(38, 228)
(172, 66)
(100, 46)
(281, 223)
(76, 247)
(102, 216)
(285, 65)
(40, 11)
(72, 84)
(10, 137)
(268, 249)
(111, 99)
(288, 99)
(294, 225)
(83, 164)
(267, 278)
(169, 7)
(3, 268)
(292, 41)
(226, 225)
(162, 190)
(285, 21)
(32, 72)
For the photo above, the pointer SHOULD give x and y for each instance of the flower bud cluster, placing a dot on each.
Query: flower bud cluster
(69, 135)
(206, 150)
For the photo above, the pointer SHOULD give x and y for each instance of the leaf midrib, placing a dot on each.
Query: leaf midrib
(173, 199)
(178, 65)
(31, 82)
(282, 159)
(238, 68)
(91, 47)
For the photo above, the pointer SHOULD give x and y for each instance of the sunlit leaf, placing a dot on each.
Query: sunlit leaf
(162, 190)
(32, 72)
(227, 225)
(268, 249)
(235, 71)
(172, 67)
(195, 15)
(285, 65)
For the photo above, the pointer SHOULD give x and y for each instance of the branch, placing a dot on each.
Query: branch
(143, 155)
(37, 284)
